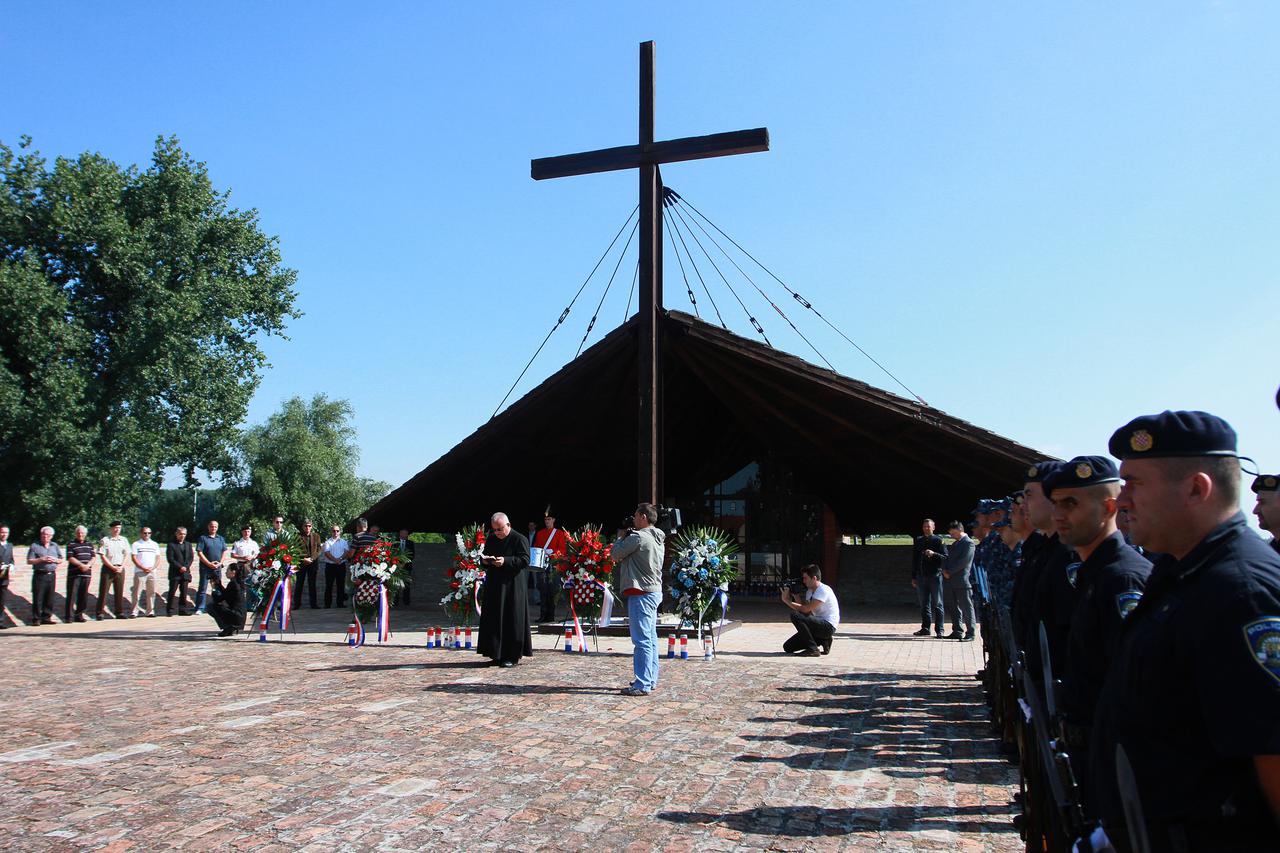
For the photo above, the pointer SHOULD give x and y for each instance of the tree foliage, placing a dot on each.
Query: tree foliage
(300, 464)
(131, 302)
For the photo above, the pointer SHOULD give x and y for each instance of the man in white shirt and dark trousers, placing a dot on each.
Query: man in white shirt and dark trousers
(816, 616)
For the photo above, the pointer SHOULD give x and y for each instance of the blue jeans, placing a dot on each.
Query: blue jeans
(642, 616)
(206, 578)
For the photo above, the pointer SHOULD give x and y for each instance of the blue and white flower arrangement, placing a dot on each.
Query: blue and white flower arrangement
(703, 562)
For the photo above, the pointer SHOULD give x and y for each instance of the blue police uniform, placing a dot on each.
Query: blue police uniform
(1193, 693)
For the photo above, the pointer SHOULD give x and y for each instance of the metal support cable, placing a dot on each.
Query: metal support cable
(693, 300)
(635, 276)
(675, 229)
(592, 324)
(804, 302)
(754, 322)
(565, 313)
(763, 295)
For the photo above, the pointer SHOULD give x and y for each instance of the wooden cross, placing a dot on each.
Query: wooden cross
(646, 156)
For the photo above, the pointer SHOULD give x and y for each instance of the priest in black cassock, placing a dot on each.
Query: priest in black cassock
(505, 636)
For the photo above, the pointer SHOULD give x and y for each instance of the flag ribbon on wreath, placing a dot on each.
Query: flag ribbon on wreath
(356, 640)
(475, 591)
(383, 624)
(724, 610)
(280, 595)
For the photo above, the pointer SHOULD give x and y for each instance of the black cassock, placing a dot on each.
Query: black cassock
(504, 621)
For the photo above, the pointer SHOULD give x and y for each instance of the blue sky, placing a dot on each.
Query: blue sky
(1045, 219)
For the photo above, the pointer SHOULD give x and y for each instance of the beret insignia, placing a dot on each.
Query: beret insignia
(1263, 636)
(1031, 472)
(1084, 470)
(1269, 482)
(1141, 440)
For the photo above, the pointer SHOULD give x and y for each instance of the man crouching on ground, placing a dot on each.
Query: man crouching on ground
(816, 617)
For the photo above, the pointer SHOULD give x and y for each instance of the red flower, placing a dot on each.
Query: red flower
(456, 585)
(286, 559)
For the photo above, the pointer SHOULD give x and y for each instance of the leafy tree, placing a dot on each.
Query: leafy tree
(301, 464)
(131, 302)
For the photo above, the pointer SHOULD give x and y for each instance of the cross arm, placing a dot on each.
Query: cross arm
(670, 151)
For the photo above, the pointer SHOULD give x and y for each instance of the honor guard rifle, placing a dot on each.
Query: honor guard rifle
(1047, 727)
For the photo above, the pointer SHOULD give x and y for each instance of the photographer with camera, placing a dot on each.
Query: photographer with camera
(639, 556)
(815, 613)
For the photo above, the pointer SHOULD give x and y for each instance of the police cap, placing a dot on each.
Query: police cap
(1266, 483)
(1173, 434)
(1081, 471)
(1039, 471)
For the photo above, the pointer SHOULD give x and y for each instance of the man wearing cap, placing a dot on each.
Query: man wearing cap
(1042, 546)
(1005, 557)
(1267, 508)
(114, 550)
(926, 577)
(957, 592)
(1109, 582)
(556, 543)
(1193, 694)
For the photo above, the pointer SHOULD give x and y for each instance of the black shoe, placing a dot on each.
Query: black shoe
(955, 635)
(80, 618)
(811, 653)
(923, 632)
(826, 649)
(939, 636)
(968, 638)
(506, 664)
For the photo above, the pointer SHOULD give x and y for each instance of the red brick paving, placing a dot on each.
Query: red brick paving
(151, 734)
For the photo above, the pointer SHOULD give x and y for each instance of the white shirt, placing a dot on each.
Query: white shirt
(244, 549)
(114, 550)
(335, 547)
(147, 552)
(828, 608)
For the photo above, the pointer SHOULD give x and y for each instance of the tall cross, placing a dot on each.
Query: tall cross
(646, 156)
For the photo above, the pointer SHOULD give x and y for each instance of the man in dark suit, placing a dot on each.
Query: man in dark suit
(181, 557)
(6, 563)
(956, 587)
(926, 577)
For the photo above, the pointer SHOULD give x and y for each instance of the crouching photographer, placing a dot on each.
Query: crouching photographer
(815, 613)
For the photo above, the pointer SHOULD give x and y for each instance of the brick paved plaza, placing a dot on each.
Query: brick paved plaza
(152, 734)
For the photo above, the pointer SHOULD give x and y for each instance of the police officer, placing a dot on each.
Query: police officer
(1267, 508)
(1109, 584)
(1006, 554)
(1040, 546)
(1193, 695)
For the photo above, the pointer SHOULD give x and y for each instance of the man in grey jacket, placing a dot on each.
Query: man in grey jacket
(956, 588)
(639, 556)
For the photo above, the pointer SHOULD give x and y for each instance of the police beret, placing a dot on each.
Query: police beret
(1037, 472)
(1002, 505)
(1081, 471)
(1173, 434)
(1266, 483)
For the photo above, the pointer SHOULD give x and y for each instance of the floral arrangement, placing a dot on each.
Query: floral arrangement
(378, 564)
(585, 561)
(275, 560)
(465, 574)
(703, 561)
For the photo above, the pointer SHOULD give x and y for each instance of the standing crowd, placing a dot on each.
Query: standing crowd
(217, 568)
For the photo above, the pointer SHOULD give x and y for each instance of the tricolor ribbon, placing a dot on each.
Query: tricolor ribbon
(383, 624)
(724, 610)
(475, 591)
(279, 597)
(357, 640)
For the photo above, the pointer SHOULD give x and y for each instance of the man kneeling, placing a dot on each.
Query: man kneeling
(816, 617)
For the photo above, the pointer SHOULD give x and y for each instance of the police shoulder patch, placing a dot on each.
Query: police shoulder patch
(1263, 636)
(1126, 601)
(1072, 569)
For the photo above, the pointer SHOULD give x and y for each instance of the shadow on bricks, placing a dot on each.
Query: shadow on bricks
(809, 821)
(903, 727)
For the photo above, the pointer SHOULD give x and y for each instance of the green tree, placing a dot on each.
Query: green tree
(131, 302)
(301, 464)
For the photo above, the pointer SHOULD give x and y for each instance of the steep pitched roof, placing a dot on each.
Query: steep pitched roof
(878, 460)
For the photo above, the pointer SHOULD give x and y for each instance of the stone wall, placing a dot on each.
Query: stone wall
(875, 574)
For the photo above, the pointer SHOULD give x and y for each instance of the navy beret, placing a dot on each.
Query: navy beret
(1037, 472)
(1173, 434)
(1266, 483)
(1081, 471)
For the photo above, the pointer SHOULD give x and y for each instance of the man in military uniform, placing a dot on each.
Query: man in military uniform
(1040, 546)
(927, 557)
(1193, 695)
(1109, 584)
(1267, 508)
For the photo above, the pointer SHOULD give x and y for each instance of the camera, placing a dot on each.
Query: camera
(796, 585)
(668, 519)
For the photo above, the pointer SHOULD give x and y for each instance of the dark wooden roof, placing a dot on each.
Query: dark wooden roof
(879, 460)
